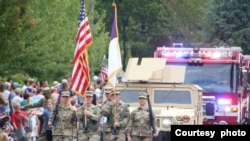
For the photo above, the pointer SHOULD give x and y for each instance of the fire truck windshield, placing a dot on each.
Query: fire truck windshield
(213, 78)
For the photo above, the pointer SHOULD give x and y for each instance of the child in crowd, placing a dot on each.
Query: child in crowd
(46, 114)
(33, 124)
(9, 129)
(3, 134)
(18, 117)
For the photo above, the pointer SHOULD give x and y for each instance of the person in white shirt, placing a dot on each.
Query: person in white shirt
(7, 87)
(17, 98)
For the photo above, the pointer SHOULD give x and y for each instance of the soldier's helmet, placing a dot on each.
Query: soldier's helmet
(65, 93)
(117, 92)
(108, 90)
(90, 93)
(46, 90)
(142, 95)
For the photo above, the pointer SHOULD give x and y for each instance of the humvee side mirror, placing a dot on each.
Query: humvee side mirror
(210, 109)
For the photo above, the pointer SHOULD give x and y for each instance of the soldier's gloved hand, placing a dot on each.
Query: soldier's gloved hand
(156, 134)
(115, 101)
(116, 124)
(51, 126)
(86, 112)
(129, 138)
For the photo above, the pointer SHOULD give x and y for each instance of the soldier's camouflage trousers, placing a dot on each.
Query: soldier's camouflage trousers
(89, 136)
(62, 138)
(138, 138)
(42, 137)
(107, 136)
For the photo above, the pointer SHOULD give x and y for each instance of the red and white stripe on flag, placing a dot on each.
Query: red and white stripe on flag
(80, 75)
(104, 73)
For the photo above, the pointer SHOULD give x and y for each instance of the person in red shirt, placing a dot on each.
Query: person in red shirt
(18, 116)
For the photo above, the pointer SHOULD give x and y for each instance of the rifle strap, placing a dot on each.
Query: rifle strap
(122, 114)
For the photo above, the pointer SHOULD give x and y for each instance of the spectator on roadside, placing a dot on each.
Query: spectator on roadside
(26, 99)
(26, 84)
(55, 94)
(3, 112)
(18, 117)
(33, 124)
(13, 94)
(16, 98)
(3, 101)
(3, 134)
(9, 129)
(43, 84)
(7, 88)
(46, 114)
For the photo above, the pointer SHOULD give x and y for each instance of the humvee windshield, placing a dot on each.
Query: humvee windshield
(130, 96)
(160, 96)
(176, 97)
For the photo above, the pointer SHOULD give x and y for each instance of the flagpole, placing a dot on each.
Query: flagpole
(115, 114)
(114, 60)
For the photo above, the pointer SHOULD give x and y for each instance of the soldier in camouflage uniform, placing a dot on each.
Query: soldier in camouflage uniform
(106, 127)
(88, 130)
(107, 92)
(65, 127)
(119, 115)
(139, 127)
(42, 103)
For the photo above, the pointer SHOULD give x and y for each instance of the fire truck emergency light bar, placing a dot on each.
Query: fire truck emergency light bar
(202, 53)
(195, 53)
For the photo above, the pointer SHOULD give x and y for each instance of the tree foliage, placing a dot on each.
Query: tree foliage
(229, 23)
(38, 37)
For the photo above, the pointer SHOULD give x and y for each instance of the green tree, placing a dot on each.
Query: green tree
(166, 21)
(13, 21)
(39, 36)
(44, 45)
(229, 23)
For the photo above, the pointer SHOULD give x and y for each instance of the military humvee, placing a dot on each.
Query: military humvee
(172, 102)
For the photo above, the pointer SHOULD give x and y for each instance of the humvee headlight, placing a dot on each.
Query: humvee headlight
(166, 123)
(184, 118)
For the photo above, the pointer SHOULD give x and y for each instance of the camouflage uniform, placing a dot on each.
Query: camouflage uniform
(93, 133)
(106, 128)
(65, 127)
(139, 127)
(120, 114)
(41, 103)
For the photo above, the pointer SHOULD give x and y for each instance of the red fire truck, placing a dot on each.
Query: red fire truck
(218, 71)
(246, 82)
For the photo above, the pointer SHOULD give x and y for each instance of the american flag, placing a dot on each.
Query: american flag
(80, 75)
(104, 73)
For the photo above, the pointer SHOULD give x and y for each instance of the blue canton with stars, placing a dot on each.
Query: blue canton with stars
(82, 13)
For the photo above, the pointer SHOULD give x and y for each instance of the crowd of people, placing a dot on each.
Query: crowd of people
(55, 113)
